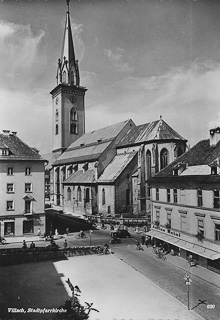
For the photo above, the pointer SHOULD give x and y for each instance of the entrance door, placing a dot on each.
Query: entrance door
(28, 226)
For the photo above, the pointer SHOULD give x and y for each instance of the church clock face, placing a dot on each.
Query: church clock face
(73, 99)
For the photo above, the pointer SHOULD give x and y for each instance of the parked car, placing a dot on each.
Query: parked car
(120, 234)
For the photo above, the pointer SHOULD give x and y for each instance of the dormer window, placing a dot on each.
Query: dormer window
(85, 167)
(5, 152)
(214, 170)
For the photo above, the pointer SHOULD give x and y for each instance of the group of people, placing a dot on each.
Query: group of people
(25, 247)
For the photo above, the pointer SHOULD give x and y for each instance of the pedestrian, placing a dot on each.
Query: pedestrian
(39, 232)
(24, 245)
(32, 245)
(56, 232)
(67, 231)
(143, 239)
(65, 244)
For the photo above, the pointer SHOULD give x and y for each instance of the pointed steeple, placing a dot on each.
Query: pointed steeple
(68, 71)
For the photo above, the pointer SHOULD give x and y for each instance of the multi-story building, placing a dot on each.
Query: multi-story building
(22, 187)
(186, 203)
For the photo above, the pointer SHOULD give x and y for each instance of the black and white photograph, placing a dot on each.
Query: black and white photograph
(109, 159)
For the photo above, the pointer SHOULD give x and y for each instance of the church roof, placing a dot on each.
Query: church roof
(156, 130)
(91, 145)
(81, 177)
(17, 149)
(116, 167)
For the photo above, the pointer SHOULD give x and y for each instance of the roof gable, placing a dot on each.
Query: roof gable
(17, 148)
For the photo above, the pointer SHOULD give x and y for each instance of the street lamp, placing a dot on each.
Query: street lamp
(187, 283)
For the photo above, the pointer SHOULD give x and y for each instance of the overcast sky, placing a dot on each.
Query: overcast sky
(139, 59)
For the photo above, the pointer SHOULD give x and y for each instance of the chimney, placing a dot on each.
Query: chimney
(14, 133)
(214, 136)
(6, 132)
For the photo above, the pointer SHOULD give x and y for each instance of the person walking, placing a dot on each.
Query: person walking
(143, 239)
(24, 245)
(67, 231)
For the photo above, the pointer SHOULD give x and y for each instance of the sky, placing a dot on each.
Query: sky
(139, 60)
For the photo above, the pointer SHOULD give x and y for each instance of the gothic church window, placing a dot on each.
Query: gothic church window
(68, 194)
(64, 76)
(79, 194)
(164, 158)
(73, 121)
(103, 196)
(148, 161)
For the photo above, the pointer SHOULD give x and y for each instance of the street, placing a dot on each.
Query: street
(165, 275)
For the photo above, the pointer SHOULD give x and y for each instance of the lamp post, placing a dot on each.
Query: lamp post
(187, 283)
(90, 237)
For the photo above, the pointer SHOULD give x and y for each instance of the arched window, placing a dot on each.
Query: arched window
(57, 129)
(164, 155)
(73, 121)
(87, 195)
(148, 162)
(103, 196)
(68, 194)
(64, 76)
(57, 114)
(79, 194)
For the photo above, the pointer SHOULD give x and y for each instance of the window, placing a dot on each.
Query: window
(103, 196)
(27, 208)
(216, 199)
(10, 171)
(79, 194)
(64, 76)
(183, 222)
(214, 170)
(57, 129)
(148, 161)
(10, 205)
(73, 121)
(28, 187)
(87, 196)
(201, 226)
(217, 232)
(164, 158)
(63, 173)
(68, 194)
(175, 198)
(9, 228)
(57, 115)
(158, 215)
(10, 187)
(157, 194)
(168, 195)
(28, 171)
(148, 192)
(169, 219)
(5, 152)
(70, 170)
(199, 198)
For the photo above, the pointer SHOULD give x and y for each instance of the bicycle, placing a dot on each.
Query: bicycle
(161, 255)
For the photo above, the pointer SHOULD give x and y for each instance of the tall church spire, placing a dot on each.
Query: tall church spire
(68, 71)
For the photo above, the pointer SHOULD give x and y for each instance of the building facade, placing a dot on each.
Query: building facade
(186, 203)
(22, 195)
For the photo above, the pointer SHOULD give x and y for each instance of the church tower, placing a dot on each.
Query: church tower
(67, 97)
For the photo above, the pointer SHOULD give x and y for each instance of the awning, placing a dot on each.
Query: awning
(186, 245)
(29, 197)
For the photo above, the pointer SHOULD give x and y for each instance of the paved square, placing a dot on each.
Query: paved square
(120, 292)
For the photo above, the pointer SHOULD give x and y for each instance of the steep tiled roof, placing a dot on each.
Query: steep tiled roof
(156, 130)
(18, 150)
(199, 157)
(91, 145)
(80, 177)
(116, 166)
